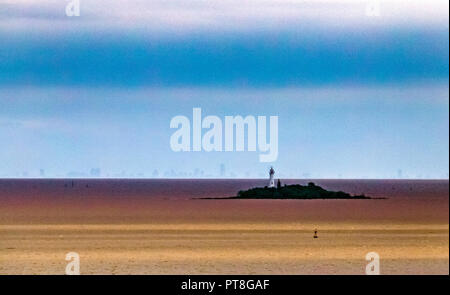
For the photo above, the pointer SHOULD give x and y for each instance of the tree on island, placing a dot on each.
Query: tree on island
(296, 191)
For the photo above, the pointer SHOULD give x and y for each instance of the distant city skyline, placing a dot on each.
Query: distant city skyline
(199, 173)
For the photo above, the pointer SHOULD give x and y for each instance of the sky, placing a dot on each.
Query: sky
(357, 95)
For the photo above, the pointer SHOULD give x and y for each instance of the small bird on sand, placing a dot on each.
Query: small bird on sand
(315, 234)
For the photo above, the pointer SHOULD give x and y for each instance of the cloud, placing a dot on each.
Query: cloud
(222, 42)
(235, 15)
(226, 60)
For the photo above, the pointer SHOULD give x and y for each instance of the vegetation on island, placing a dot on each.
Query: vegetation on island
(296, 191)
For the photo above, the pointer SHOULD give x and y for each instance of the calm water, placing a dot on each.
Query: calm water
(164, 201)
(194, 188)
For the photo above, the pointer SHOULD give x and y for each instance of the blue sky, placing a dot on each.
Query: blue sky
(356, 96)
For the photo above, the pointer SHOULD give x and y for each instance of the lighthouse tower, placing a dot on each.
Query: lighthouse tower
(271, 180)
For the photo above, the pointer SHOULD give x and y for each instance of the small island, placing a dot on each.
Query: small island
(295, 191)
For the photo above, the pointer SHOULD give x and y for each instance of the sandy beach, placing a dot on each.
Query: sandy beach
(140, 234)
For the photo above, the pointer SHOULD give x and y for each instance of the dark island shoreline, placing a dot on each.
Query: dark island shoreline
(292, 192)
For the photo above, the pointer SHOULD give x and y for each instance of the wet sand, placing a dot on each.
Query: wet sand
(158, 228)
